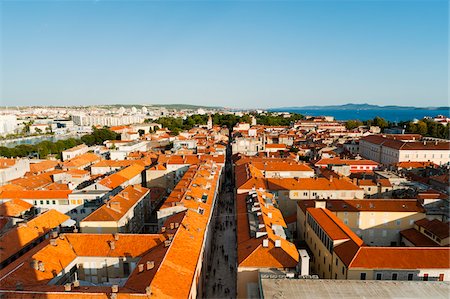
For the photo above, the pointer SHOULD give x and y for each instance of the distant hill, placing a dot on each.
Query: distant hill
(351, 106)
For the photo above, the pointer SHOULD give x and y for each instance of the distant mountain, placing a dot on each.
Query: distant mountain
(351, 106)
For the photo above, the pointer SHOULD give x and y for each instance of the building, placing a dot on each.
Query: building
(74, 152)
(123, 213)
(391, 149)
(338, 253)
(353, 166)
(427, 233)
(8, 124)
(11, 169)
(27, 234)
(376, 221)
(264, 241)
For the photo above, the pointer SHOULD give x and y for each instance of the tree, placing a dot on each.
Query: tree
(353, 124)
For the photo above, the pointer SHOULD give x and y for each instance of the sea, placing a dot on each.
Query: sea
(394, 115)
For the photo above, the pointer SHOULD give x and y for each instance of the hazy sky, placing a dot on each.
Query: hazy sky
(229, 53)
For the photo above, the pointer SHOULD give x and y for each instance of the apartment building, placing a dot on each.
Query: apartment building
(11, 169)
(338, 253)
(74, 152)
(391, 149)
(27, 234)
(376, 221)
(264, 241)
(427, 233)
(123, 213)
(354, 166)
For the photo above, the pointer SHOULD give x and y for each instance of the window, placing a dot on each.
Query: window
(41, 202)
(343, 270)
(362, 276)
(378, 276)
(54, 202)
(384, 233)
(47, 202)
(336, 261)
(410, 276)
(425, 277)
(441, 277)
(394, 276)
(399, 222)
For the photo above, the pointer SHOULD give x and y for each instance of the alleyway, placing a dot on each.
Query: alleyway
(222, 277)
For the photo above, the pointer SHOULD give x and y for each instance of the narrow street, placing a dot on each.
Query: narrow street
(221, 282)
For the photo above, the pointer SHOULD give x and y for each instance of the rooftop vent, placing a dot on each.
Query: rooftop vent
(150, 265)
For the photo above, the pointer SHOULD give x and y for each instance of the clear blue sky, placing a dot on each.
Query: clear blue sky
(234, 54)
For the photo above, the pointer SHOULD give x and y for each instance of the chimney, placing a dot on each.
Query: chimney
(19, 286)
(54, 234)
(150, 265)
(53, 242)
(76, 283)
(320, 204)
(163, 229)
(172, 225)
(116, 236)
(167, 243)
(355, 181)
(41, 266)
(177, 224)
(112, 245)
(67, 287)
(331, 178)
(148, 290)
(141, 268)
(269, 215)
(34, 264)
(114, 288)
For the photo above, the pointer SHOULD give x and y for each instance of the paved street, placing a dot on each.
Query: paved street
(222, 277)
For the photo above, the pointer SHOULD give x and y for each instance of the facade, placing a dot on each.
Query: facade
(124, 213)
(338, 253)
(11, 169)
(376, 221)
(106, 120)
(8, 124)
(391, 149)
(74, 152)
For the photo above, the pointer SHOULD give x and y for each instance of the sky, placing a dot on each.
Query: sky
(240, 54)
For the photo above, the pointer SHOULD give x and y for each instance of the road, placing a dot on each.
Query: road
(221, 282)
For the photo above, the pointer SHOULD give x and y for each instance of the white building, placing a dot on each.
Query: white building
(8, 124)
(106, 120)
(389, 150)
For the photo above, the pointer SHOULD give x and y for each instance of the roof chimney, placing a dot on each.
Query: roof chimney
(163, 229)
(112, 245)
(34, 264)
(322, 204)
(114, 288)
(116, 237)
(41, 266)
(53, 242)
(68, 287)
(150, 265)
(141, 268)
